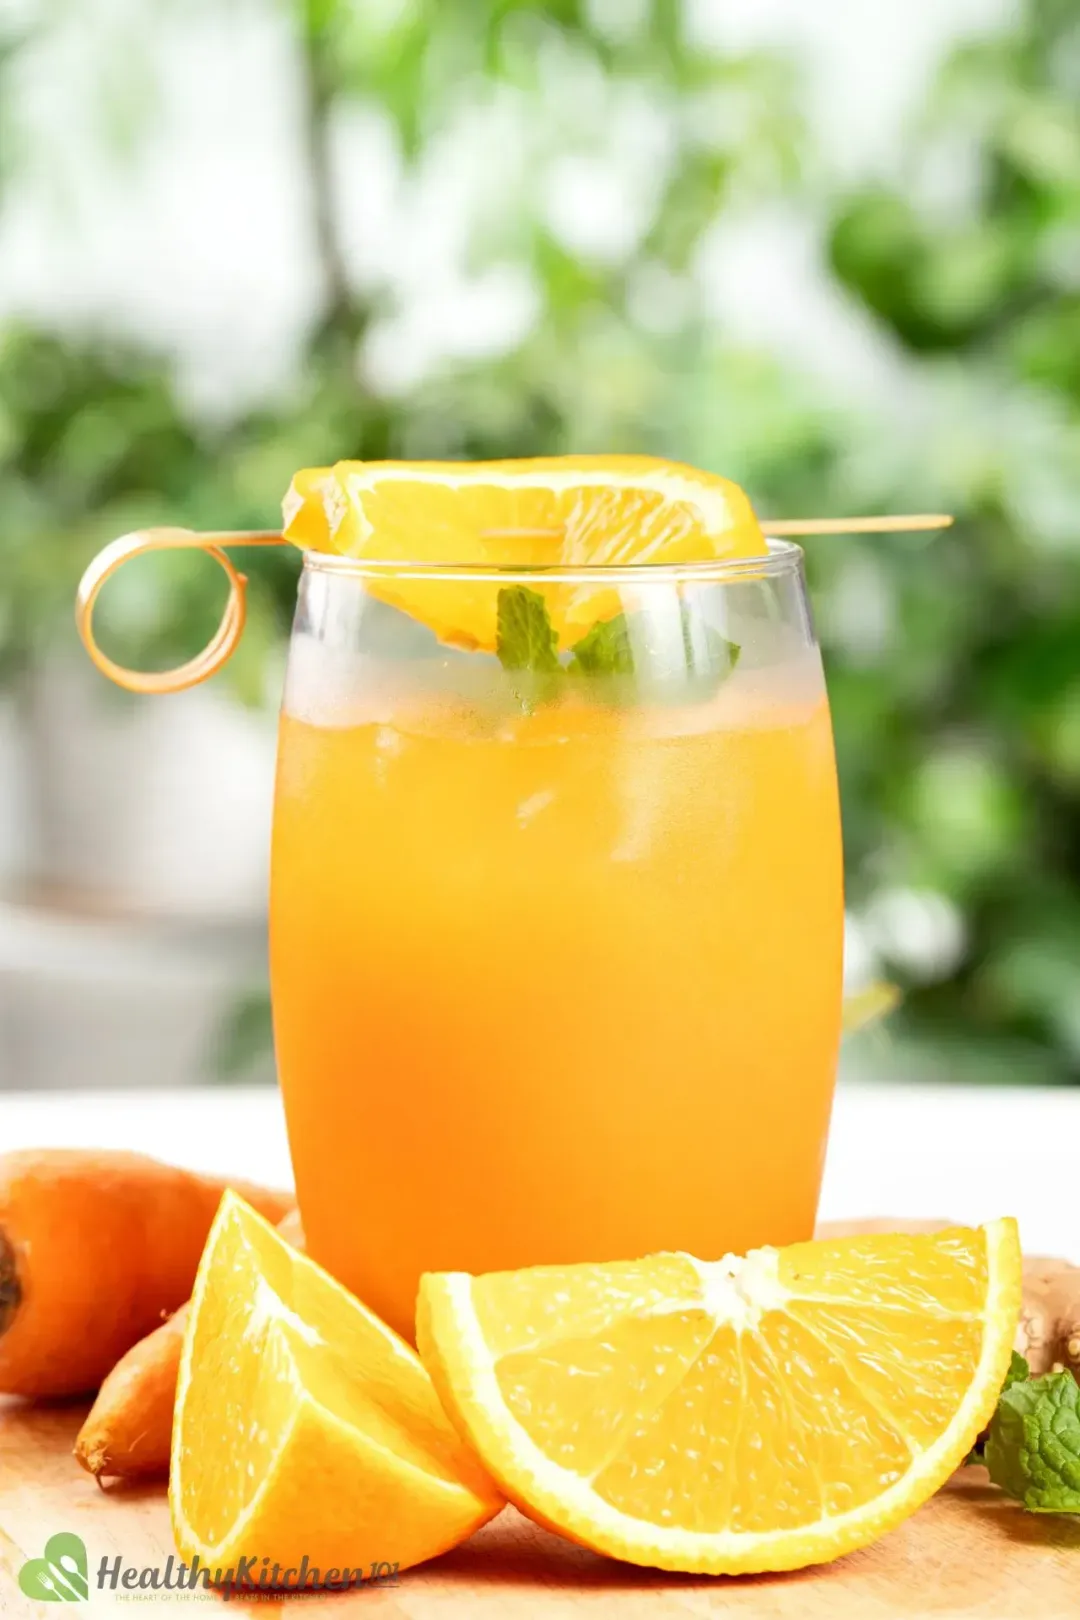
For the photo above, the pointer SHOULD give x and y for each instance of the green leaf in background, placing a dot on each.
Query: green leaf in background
(868, 1006)
(245, 1037)
(1033, 1448)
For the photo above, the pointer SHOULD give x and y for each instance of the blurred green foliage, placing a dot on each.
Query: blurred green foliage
(967, 731)
(953, 662)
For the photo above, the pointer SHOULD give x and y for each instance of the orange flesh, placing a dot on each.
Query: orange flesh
(756, 1413)
(815, 1414)
(303, 1428)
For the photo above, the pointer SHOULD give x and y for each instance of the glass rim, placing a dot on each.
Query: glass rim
(782, 557)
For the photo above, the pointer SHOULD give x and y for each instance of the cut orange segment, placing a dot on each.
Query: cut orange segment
(568, 511)
(745, 1414)
(304, 1427)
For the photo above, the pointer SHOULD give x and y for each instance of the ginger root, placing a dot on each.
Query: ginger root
(1049, 1332)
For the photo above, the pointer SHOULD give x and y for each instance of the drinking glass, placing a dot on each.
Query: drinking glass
(555, 947)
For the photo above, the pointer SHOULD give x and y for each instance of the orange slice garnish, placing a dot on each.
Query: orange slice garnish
(571, 512)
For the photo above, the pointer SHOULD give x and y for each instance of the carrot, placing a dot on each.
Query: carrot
(95, 1248)
(128, 1430)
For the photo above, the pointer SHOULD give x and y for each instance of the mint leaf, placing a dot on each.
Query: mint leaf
(630, 644)
(689, 661)
(605, 650)
(1033, 1448)
(1017, 1373)
(524, 635)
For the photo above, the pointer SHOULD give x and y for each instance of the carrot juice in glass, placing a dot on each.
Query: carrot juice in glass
(556, 900)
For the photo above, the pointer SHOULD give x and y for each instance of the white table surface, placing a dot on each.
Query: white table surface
(965, 1153)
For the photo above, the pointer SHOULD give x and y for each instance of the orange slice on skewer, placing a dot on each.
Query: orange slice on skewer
(571, 512)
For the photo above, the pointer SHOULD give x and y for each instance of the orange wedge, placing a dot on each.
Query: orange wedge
(746, 1414)
(551, 512)
(304, 1427)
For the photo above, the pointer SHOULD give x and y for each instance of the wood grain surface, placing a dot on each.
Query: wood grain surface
(967, 1555)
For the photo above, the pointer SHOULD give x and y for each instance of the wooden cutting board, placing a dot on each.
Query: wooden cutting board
(967, 1555)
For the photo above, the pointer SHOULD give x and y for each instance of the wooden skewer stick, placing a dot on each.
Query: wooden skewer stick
(908, 524)
(857, 525)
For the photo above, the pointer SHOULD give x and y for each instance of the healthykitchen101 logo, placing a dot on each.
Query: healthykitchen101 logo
(61, 1575)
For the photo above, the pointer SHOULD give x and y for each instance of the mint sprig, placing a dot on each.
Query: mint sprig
(527, 646)
(1032, 1447)
(605, 650)
(627, 646)
(524, 635)
(1017, 1373)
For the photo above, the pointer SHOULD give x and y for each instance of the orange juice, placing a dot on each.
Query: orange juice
(557, 986)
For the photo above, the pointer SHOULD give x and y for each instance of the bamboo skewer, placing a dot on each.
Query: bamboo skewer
(909, 523)
(858, 525)
(216, 544)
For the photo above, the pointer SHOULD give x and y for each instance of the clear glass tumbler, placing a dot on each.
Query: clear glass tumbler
(555, 944)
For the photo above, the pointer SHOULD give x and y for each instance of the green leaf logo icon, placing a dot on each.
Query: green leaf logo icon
(60, 1576)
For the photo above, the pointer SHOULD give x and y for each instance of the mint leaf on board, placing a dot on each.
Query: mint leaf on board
(1017, 1372)
(1033, 1448)
(524, 635)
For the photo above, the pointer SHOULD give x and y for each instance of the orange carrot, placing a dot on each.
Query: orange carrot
(95, 1249)
(128, 1430)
